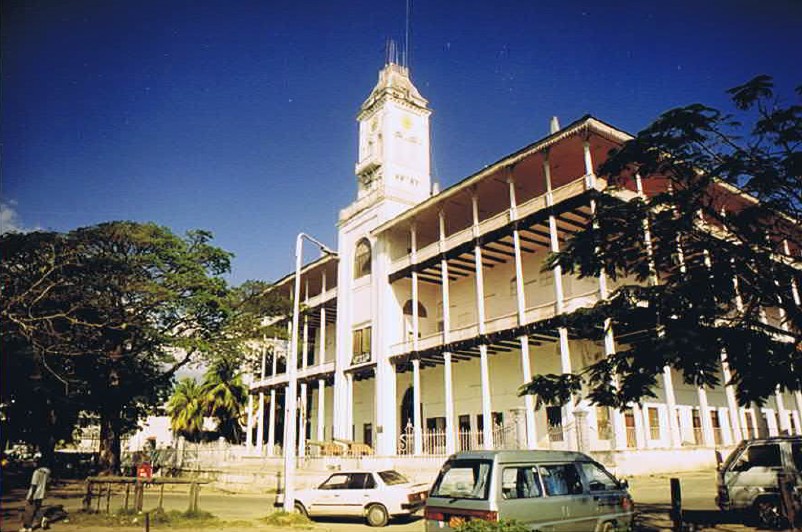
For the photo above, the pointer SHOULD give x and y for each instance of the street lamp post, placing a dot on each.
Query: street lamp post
(291, 401)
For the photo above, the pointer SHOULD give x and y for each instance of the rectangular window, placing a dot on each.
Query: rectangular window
(436, 423)
(463, 479)
(361, 346)
(561, 479)
(520, 483)
(654, 422)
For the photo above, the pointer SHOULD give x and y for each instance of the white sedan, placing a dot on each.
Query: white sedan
(375, 495)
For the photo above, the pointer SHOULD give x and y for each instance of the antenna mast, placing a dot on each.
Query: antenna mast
(406, 34)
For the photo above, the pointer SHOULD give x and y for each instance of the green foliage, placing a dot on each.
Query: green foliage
(223, 397)
(103, 316)
(677, 304)
(185, 409)
(502, 525)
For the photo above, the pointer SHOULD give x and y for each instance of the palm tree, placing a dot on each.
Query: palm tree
(186, 410)
(224, 397)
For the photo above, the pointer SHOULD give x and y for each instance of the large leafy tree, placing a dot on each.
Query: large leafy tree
(701, 225)
(111, 312)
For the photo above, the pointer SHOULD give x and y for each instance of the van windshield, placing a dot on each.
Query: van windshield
(463, 479)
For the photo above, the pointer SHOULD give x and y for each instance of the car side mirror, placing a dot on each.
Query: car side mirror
(624, 483)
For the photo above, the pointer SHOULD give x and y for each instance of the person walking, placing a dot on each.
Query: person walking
(35, 496)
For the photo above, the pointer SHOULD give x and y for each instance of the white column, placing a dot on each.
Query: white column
(349, 396)
(782, 413)
(260, 421)
(322, 349)
(487, 416)
(526, 370)
(675, 438)
(590, 175)
(249, 432)
(416, 390)
(559, 299)
(304, 392)
(708, 440)
(271, 427)
(321, 409)
(416, 417)
(798, 399)
(640, 429)
(447, 371)
(451, 443)
(487, 425)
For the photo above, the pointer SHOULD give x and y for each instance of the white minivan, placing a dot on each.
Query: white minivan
(544, 490)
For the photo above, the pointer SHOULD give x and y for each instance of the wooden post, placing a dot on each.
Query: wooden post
(676, 504)
(108, 499)
(161, 498)
(139, 496)
(99, 498)
(87, 502)
(147, 521)
(127, 495)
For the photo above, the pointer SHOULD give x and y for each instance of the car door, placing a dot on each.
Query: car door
(328, 496)
(605, 492)
(752, 472)
(357, 494)
(568, 504)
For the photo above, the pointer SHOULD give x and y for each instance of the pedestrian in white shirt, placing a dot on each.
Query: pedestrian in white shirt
(35, 496)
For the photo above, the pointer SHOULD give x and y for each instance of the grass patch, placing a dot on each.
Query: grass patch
(128, 518)
(287, 520)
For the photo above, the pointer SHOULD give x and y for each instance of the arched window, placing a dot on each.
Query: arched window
(408, 309)
(362, 263)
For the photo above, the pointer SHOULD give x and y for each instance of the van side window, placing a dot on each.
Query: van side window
(520, 483)
(561, 479)
(760, 456)
(598, 479)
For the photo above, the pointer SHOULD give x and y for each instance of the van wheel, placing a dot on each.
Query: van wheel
(609, 526)
(377, 515)
(768, 515)
(300, 509)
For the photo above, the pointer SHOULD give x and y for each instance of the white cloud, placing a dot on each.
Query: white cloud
(9, 219)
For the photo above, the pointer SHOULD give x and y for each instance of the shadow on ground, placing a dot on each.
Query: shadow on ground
(652, 517)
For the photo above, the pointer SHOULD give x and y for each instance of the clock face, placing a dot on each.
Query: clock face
(406, 122)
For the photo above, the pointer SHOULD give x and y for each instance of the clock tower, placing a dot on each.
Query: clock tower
(393, 161)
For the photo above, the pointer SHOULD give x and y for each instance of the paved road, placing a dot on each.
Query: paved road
(651, 494)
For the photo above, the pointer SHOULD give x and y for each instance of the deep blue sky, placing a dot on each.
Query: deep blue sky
(239, 116)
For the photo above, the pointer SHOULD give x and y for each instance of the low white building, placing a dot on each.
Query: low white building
(416, 336)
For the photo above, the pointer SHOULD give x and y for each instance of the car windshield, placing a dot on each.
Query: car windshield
(463, 479)
(393, 477)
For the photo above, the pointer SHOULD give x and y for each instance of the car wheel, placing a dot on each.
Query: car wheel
(609, 526)
(768, 515)
(300, 509)
(377, 515)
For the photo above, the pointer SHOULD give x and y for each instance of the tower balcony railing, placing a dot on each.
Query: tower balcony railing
(495, 324)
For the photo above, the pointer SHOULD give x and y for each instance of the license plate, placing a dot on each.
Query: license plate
(455, 521)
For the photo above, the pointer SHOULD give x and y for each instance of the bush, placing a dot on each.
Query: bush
(287, 520)
(504, 525)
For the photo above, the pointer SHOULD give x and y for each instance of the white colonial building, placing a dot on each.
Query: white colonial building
(417, 334)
